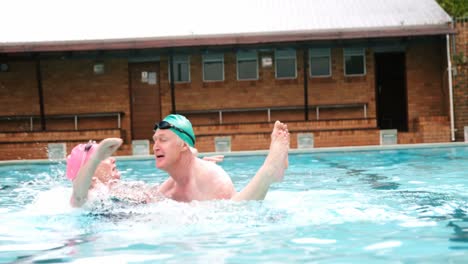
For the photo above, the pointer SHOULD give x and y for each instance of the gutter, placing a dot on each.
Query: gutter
(224, 39)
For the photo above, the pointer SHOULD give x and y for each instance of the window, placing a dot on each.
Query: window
(285, 64)
(354, 61)
(320, 62)
(247, 65)
(213, 67)
(181, 68)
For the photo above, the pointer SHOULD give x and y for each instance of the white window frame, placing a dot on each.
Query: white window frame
(355, 52)
(285, 54)
(320, 53)
(247, 56)
(214, 57)
(179, 59)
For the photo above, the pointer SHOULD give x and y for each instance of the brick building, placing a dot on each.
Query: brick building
(340, 73)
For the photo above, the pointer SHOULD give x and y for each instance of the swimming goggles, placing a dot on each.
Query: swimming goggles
(89, 145)
(86, 150)
(167, 125)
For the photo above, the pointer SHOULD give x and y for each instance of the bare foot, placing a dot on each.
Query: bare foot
(277, 159)
(272, 169)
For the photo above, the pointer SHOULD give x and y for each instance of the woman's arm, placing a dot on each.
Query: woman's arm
(215, 158)
(82, 182)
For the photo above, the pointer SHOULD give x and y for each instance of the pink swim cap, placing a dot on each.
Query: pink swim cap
(78, 156)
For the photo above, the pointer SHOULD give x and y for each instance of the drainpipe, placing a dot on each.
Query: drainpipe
(449, 72)
(171, 73)
(40, 92)
(306, 86)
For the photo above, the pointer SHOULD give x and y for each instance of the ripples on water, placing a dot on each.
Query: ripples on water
(365, 207)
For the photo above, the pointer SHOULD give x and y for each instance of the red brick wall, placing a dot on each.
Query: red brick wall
(69, 87)
(460, 81)
(73, 85)
(434, 129)
(231, 93)
(425, 80)
(18, 89)
(261, 141)
(426, 86)
(345, 89)
(33, 145)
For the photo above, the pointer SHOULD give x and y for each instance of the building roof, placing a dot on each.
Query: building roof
(49, 25)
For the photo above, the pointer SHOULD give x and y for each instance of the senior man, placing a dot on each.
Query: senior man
(191, 178)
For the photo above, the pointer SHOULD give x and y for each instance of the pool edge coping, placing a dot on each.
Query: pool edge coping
(264, 152)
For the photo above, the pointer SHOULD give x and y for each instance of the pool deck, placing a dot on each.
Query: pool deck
(264, 152)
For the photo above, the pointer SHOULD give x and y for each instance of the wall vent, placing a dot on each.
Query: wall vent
(388, 137)
(466, 134)
(305, 140)
(223, 144)
(56, 151)
(140, 147)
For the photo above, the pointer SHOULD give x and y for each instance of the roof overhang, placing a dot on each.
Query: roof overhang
(227, 39)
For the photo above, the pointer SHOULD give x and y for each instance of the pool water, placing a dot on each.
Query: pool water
(376, 206)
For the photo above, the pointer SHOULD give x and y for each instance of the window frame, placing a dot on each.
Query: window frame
(212, 57)
(284, 54)
(179, 59)
(354, 52)
(239, 57)
(320, 53)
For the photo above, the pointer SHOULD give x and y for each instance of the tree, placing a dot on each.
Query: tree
(455, 8)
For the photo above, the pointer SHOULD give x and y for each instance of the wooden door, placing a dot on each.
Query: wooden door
(145, 98)
(391, 91)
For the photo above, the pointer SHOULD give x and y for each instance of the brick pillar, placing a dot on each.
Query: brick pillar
(460, 80)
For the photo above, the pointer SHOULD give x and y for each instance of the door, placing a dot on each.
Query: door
(392, 109)
(145, 93)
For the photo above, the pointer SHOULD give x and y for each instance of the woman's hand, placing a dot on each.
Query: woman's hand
(107, 147)
(215, 159)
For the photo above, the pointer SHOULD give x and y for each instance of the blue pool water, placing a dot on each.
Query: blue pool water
(386, 206)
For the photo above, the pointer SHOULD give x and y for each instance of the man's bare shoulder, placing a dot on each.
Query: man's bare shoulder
(211, 169)
(214, 178)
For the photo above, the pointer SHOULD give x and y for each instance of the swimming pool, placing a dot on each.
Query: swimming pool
(367, 206)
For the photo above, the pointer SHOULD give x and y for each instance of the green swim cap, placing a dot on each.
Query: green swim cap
(184, 124)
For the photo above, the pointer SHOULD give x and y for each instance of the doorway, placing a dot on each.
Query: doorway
(145, 98)
(391, 95)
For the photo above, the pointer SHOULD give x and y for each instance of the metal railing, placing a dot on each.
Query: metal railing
(75, 117)
(268, 110)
